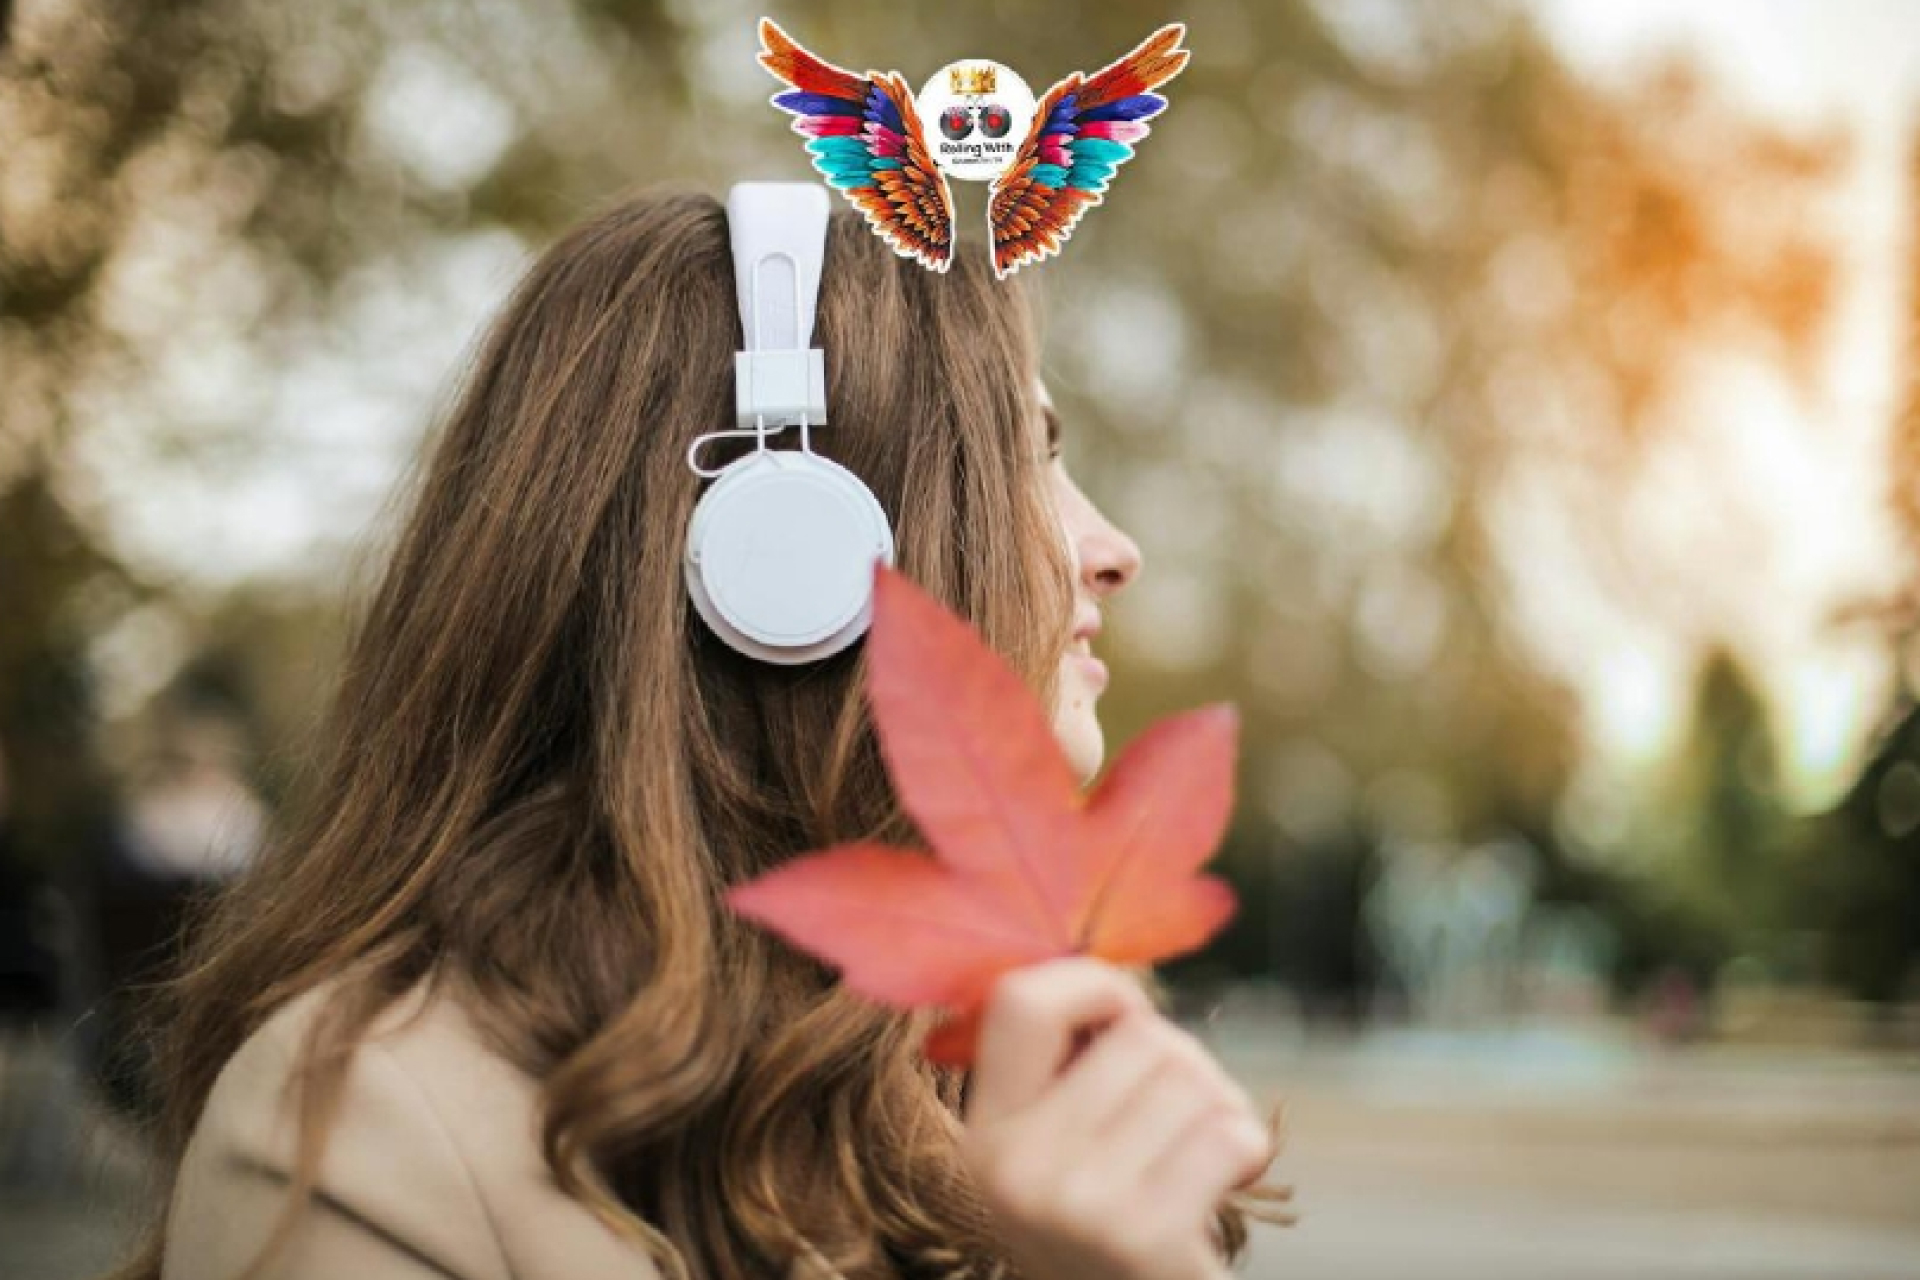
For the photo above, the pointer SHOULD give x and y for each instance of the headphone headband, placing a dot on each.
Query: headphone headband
(779, 235)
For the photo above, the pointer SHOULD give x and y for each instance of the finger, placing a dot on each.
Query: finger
(1191, 1067)
(1155, 1116)
(1199, 1168)
(1031, 1017)
(1274, 1125)
(1097, 1084)
(1206, 1067)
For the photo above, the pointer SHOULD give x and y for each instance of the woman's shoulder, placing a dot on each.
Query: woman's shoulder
(432, 1165)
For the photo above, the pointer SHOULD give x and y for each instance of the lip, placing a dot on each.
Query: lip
(1093, 667)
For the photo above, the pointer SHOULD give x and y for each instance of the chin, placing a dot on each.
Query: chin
(1076, 723)
(1087, 750)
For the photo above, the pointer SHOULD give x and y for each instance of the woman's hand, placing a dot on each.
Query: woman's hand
(1111, 1168)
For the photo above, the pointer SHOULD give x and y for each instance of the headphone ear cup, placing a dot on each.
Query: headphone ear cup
(780, 554)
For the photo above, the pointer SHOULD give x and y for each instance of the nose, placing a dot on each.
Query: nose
(1109, 559)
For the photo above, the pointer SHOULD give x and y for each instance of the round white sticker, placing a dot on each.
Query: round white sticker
(975, 114)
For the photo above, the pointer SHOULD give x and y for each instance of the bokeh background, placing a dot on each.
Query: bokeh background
(1514, 402)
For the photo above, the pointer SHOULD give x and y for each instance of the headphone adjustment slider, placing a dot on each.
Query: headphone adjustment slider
(778, 387)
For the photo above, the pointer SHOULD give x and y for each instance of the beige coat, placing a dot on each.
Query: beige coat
(433, 1169)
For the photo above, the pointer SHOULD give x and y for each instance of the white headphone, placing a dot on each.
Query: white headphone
(781, 547)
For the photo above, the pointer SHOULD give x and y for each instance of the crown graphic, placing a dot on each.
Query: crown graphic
(980, 79)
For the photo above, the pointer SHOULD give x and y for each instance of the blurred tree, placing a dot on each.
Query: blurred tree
(1860, 877)
(1720, 835)
(1426, 277)
(54, 581)
(132, 130)
(1903, 487)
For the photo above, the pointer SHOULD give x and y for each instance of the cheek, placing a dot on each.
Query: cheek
(1060, 497)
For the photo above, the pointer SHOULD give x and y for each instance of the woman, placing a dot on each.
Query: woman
(522, 1035)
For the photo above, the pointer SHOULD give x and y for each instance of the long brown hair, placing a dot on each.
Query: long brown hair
(541, 769)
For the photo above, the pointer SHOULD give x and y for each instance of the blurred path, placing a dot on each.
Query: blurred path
(1538, 1154)
(1359, 1231)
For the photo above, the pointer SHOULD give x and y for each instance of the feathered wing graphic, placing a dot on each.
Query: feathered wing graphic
(1084, 129)
(865, 138)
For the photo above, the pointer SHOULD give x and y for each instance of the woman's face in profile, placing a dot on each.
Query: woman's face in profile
(1104, 561)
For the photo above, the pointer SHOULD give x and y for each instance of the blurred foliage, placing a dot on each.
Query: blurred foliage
(1374, 276)
(1858, 883)
(54, 575)
(1726, 866)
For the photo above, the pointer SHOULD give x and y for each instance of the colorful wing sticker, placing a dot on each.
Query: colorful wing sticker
(864, 136)
(1084, 129)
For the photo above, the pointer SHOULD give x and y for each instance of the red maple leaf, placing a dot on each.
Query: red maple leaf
(1027, 865)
